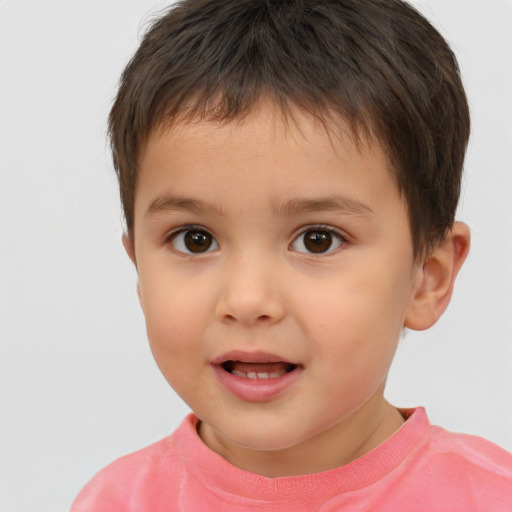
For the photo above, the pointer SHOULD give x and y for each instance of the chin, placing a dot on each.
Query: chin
(267, 439)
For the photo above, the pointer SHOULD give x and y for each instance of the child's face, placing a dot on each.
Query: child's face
(274, 251)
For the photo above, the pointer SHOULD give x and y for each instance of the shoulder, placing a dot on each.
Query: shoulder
(480, 470)
(472, 451)
(150, 472)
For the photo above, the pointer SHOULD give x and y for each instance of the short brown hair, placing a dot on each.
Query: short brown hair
(378, 64)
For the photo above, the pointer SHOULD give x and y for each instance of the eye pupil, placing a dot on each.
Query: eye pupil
(317, 241)
(197, 241)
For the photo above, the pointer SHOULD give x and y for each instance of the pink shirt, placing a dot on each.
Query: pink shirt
(420, 468)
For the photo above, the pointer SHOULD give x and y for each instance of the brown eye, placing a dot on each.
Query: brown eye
(194, 241)
(317, 241)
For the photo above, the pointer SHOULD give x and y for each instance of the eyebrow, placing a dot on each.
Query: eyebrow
(338, 203)
(169, 203)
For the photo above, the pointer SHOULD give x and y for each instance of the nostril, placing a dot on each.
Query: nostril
(257, 301)
(258, 319)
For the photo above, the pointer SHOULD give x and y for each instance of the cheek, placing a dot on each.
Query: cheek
(363, 317)
(175, 328)
(175, 317)
(354, 345)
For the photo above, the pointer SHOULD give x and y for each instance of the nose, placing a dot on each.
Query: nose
(251, 292)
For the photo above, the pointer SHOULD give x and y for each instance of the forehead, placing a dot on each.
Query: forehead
(282, 154)
(270, 121)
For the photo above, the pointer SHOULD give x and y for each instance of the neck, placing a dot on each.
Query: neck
(342, 443)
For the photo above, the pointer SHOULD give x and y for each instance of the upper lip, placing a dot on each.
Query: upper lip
(250, 357)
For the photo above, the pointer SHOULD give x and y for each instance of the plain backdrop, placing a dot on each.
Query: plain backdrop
(79, 387)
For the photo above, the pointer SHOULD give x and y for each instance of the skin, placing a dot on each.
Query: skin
(337, 314)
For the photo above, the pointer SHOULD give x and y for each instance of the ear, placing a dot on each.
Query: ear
(436, 278)
(129, 247)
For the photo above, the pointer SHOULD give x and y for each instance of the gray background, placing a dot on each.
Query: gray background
(78, 383)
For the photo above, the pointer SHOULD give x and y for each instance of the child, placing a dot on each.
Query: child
(289, 173)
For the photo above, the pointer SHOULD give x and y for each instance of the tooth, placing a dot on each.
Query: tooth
(257, 375)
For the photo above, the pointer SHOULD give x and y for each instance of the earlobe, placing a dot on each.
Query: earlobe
(436, 279)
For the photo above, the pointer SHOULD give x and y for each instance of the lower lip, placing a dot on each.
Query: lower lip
(256, 390)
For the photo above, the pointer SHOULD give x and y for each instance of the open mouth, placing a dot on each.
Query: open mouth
(256, 376)
(246, 370)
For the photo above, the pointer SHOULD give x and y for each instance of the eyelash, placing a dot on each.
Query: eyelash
(335, 237)
(319, 228)
(171, 238)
